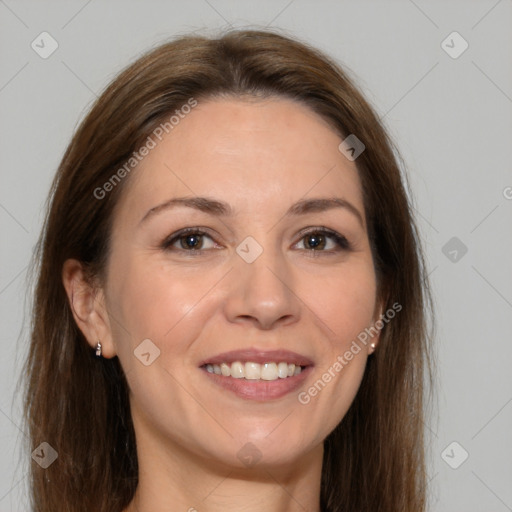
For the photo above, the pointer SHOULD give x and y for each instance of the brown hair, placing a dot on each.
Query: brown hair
(374, 459)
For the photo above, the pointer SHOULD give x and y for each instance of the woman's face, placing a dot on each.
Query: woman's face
(263, 268)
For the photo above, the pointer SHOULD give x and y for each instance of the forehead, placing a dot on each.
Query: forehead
(248, 153)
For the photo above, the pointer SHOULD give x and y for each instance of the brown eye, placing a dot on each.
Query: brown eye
(324, 240)
(191, 241)
(188, 240)
(315, 241)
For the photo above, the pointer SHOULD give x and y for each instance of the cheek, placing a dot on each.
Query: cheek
(156, 302)
(345, 302)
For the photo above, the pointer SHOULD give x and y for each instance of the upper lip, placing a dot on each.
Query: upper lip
(259, 356)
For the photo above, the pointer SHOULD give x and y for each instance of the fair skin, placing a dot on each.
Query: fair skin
(260, 157)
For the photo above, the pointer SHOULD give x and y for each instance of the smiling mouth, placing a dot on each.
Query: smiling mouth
(255, 371)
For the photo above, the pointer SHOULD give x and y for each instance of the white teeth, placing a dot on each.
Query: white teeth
(252, 371)
(255, 371)
(269, 371)
(237, 370)
(282, 370)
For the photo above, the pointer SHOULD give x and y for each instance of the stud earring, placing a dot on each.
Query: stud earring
(372, 345)
(98, 349)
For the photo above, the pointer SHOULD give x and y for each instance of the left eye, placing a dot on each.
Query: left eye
(322, 240)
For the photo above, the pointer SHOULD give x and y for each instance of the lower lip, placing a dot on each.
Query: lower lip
(261, 390)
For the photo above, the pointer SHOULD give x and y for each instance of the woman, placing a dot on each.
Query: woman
(230, 305)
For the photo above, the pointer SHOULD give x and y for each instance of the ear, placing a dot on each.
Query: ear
(88, 306)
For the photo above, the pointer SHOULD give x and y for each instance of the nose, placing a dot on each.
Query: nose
(262, 292)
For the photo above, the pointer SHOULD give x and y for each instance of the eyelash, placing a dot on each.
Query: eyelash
(342, 243)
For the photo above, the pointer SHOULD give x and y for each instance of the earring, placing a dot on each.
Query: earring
(372, 345)
(98, 349)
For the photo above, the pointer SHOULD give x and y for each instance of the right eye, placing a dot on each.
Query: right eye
(190, 240)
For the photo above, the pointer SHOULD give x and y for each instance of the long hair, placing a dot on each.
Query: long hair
(375, 458)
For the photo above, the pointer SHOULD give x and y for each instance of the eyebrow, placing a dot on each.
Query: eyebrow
(222, 209)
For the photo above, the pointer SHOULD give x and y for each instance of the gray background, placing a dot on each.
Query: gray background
(451, 118)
